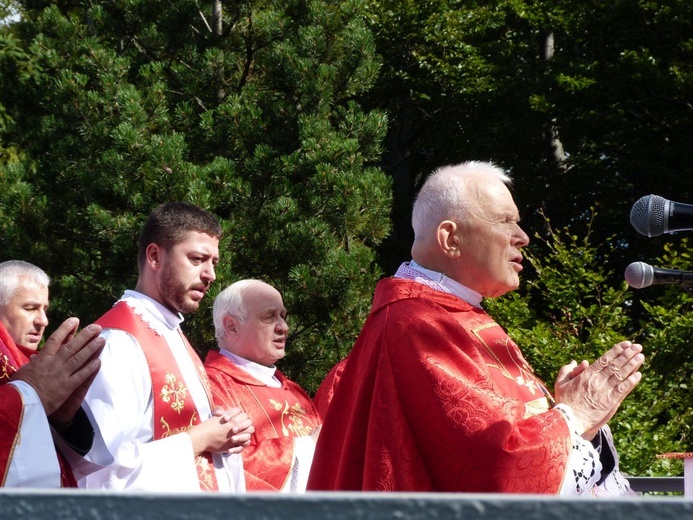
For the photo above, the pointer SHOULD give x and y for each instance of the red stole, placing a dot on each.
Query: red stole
(11, 404)
(11, 418)
(174, 409)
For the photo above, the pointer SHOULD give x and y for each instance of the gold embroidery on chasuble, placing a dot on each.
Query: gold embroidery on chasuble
(536, 407)
(6, 368)
(291, 419)
(505, 357)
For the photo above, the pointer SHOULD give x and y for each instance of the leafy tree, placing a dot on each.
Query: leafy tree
(9, 12)
(667, 324)
(250, 112)
(587, 104)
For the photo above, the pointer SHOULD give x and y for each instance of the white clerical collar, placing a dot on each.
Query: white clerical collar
(461, 291)
(155, 314)
(258, 371)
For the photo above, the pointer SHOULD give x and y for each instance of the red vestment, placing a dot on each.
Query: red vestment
(278, 415)
(12, 357)
(436, 397)
(323, 397)
(11, 418)
(10, 401)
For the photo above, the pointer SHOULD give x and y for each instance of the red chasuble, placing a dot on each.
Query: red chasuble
(174, 410)
(436, 397)
(12, 408)
(10, 402)
(323, 397)
(11, 419)
(278, 415)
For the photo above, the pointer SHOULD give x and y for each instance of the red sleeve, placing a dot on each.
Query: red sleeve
(325, 392)
(11, 409)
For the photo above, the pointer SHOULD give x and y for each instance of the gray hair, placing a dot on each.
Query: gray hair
(447, 195)
(12, 271)
(230, 302)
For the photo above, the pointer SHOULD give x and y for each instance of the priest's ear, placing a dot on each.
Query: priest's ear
(449, 238)
(230, 325)
(153, 256)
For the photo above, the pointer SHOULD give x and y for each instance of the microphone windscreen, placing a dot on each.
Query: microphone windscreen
(639, 275)
(648, 214)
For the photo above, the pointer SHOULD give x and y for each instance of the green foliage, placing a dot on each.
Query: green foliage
(141, 102)
(502, 80)
(9, 12)
(667, 325)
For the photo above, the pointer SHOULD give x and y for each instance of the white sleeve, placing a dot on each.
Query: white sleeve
(119, 404)
(304, 448)
(584, 468)
(34, 463)
(584, 472)
(614, 484)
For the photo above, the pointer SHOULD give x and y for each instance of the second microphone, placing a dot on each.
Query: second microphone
(639, 275)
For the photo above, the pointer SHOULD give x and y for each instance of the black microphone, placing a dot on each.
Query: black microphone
(640, 274)
(653, 215)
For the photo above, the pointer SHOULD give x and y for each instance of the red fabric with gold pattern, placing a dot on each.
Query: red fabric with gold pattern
(11, 356)
(174, 409)
(278, 415)
(436, 397)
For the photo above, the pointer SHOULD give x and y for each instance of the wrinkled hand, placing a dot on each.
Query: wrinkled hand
(62, 371)
(595, 391)
(228, 431)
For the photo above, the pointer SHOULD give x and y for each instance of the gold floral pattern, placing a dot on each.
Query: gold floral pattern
(293, 418)
(174, 392)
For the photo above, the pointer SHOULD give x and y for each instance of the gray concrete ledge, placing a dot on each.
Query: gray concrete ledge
(83, 505)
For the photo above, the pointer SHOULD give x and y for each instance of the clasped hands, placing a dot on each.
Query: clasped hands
(594, 392)
(227, 431)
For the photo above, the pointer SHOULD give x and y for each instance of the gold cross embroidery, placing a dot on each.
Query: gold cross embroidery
(174, 392)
